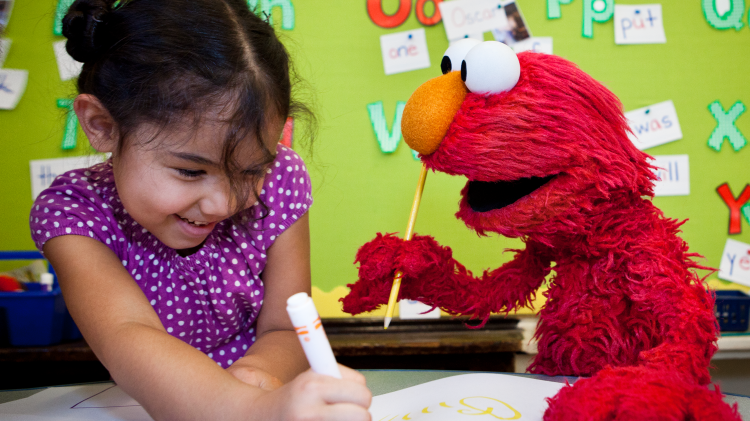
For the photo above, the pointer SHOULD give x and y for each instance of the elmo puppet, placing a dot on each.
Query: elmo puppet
(546, 152)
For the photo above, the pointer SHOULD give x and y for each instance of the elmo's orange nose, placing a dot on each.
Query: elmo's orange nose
(430, 110)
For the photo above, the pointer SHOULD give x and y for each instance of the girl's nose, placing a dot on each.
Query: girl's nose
(216, 202)
(430, 111)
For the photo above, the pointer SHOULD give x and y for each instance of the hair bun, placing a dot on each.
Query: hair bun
(83, 27)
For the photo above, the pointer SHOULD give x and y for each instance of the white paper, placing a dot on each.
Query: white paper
(44, 171)
(66, 65)
(673, 175)
(735, 262)
(639, 24)
(410, 309)
(465, 17)
(4, 48)
(654, 125)
(404, 51)
(489, 396)
(535, 44)
(100, 402)
(12, 86)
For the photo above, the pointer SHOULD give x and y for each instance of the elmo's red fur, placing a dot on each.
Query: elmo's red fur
(625, 305)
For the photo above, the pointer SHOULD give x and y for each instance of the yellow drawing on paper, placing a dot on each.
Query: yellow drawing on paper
(471, 406)
(489, 410)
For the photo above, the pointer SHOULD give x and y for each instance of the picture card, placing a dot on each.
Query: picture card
(639, 24)
(515, 30)
(673, 175)
(465, 17)
(404, 51)
(535, 44)
(498, 396)
(44, 171)
(410, 309)
(66, 65)
(12, 86)
(735, 262)
(654, 125)
(4, 48)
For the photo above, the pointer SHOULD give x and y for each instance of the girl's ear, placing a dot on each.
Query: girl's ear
(97, 123)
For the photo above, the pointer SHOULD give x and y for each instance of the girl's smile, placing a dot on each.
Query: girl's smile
(178, 190)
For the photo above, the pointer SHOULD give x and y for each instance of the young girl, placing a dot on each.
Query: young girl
(177, 255)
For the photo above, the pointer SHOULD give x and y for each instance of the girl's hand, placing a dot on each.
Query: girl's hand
(254, 376)
(312, 396)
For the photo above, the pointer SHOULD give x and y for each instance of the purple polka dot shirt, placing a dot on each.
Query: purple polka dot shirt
(210, 299)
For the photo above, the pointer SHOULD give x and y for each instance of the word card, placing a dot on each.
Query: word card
(4, 48)
(639, 24)
(535, 44)
(66, 65)
(404, 51)
(465, 17)
(654, 125)
(44, 171)
(673, 175)
(735, 262)
(12, 86)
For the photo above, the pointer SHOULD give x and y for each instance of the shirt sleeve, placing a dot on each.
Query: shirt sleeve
(287, 193)
(75, 204)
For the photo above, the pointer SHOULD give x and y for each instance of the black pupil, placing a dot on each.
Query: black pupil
(445, 65)
(463, 70)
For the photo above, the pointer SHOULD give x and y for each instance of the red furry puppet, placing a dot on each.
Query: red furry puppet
(546, 153)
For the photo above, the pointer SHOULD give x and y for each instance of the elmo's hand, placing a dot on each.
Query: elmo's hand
(421, 259)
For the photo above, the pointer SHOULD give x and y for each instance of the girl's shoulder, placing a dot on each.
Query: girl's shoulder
(79, 202)
(285, 197)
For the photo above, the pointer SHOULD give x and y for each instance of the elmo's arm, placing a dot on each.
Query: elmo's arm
(434, 277)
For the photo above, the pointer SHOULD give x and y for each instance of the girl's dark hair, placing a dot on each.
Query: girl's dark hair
(161, 61)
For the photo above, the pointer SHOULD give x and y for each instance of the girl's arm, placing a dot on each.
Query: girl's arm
(171, 379)
(277, 357)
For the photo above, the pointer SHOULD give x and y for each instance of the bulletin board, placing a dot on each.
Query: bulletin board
(360, 190)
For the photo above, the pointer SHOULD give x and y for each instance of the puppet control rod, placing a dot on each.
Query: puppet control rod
(409, 233)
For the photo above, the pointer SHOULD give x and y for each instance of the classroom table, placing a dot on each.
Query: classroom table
(385, 381)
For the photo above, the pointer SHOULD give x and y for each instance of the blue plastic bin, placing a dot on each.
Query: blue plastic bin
(732, 310)
(35, 318)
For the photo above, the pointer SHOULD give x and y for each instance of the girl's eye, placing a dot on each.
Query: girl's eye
(190, 173)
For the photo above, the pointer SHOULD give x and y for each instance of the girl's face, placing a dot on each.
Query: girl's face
(175, 187)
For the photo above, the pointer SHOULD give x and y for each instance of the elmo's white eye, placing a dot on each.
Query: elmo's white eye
(490, 68)
(455, 54)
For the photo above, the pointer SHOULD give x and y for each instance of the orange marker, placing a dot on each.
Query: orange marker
(309, 328)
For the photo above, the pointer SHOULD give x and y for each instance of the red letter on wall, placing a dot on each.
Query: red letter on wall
(375, 10)
(734, 205)
(423, 18)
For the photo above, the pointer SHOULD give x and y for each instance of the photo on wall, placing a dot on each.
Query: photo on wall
(6, 6)
(516, 30)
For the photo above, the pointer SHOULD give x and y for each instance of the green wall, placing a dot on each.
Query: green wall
(358, 189)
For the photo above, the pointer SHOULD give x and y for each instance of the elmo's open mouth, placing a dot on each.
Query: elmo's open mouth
(484, 196)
